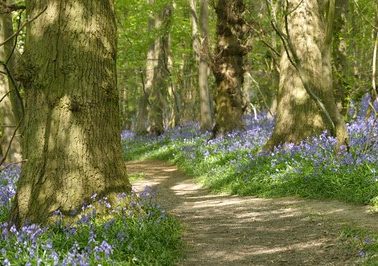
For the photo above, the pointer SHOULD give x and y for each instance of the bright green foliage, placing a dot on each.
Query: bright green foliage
(135, 37)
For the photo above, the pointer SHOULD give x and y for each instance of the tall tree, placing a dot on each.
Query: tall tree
(141, 124)
(159, 87)
(156, 86)
(340, 56)
(306, 103)
(206, 120)
(174, 101)
(200, 35)
(69, 75)
(11, 105)
(195, 28)
(228, 65)
(374, 93)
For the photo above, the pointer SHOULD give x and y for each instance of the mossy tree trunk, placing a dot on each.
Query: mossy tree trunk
(11, 105)
(228, 66)
(71, 137)
(340, 56)
(298, 114)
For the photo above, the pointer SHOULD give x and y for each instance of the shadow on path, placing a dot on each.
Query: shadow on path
(231, 230)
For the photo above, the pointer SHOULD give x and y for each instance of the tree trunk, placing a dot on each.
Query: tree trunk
(228, 66)
(374, 93)
(340, 57)
(141, 124)
(159, 87)
(195, 29)
(189, 95)
(71, 137)
(299, 115)
(11, 106)
(247, 91)
(206, 120)
(173, 95)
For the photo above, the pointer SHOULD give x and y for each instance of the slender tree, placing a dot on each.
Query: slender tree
(159, 85)
(228, 65)
(11, 104)
(200, 33)
(71, 137)
(174, 101)
(340, 57)
(206, 120)
(374, 93)
(141, 124)
(194, 19)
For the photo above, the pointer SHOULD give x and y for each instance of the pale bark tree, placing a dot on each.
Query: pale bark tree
(71, 138)
(228, 66)
(195, 28)
(188, 88)
(141, 124)
(174, 105)
(374, 93)
(306, 103)
(206, 119)
(200, 32)
(156, 85)
(247, 91)
(11, 104)
(157, 97)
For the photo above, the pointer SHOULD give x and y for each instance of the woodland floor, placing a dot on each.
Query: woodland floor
(232, 230)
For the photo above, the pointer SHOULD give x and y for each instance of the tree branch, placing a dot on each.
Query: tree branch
(10, 142)
(9, 8)
(23, 26)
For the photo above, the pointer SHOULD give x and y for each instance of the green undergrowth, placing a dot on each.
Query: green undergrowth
(362, 242)
(136, 176)
(138, 233)
(228, 165)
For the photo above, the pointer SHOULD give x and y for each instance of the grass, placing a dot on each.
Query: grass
(311, 169)
(136, 176)
(235, 163)
(362, 242)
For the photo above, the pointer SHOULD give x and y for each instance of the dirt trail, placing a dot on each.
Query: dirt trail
(231, 230)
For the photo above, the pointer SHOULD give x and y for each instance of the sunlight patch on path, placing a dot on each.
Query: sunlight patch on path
(231, 230)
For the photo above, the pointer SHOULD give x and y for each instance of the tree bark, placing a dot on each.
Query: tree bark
(173, 94)
(159, 86)
(306, 76)
(11, 106)
(141, 124)
(206, 119)
(228, 66)
(340, 57)
(71, 138)
(374, 94)
(194, 19)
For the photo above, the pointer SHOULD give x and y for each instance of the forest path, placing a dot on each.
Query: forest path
(232, 230)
